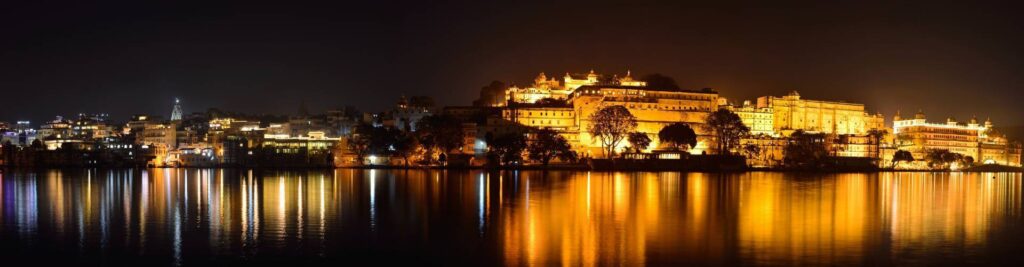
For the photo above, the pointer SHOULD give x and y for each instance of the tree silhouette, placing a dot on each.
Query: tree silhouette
(658, 81)
(901, 156)
(876, 136)
(492, 94)
(547, 145)
(805, 150)
(612, 125)
(508, 147)
(678, 134)
(727, 127)
(360, 140)
(639, 141)
(440, 132)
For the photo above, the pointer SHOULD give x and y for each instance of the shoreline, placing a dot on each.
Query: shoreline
(976, 169)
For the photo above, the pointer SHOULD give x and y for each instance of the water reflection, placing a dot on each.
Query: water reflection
(201, 216)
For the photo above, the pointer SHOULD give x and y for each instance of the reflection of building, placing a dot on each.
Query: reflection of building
(975, 140)
(792, 113)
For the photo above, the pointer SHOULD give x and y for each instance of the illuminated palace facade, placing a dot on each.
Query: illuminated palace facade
(978, 141)
(567, 106)
(549, 88)
(790, 113)
(772, 119)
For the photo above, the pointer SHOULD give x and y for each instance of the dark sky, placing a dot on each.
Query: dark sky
(127, 58)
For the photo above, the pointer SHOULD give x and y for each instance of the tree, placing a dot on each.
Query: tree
(611, 125)
(727, 127)
(508, 148)
(360, 140)
(678, 134)
(639, 141)
(900, 156)
(547, 145)
(404, 145)
(751, 150)
(805, 150)
(658, 81)
(37, 144)
(441, 132)
(877, 135)
(491, 95)
(943, 158)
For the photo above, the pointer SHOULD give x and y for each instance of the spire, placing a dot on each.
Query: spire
(176, 112)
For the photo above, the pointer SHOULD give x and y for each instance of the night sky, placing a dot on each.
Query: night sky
(129, 58)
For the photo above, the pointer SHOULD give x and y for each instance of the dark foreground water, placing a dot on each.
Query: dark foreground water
(362, 217)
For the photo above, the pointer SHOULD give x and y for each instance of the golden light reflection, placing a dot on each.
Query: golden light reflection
(524, 217)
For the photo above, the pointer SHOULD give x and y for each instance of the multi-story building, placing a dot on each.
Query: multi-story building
(545, 88)
(160, 138)
(407, 113)
(313, 149)
(653, 108)
(21, 134)
(566, 107)
(760, 120)
(58, 127)
(790, 113)
(92, 127)
(972, 139)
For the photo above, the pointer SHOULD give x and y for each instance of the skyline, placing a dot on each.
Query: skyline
(124, 59)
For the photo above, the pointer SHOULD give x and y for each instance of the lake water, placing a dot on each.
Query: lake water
(231, 217)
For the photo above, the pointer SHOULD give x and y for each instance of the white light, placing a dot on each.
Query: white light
(372, 159)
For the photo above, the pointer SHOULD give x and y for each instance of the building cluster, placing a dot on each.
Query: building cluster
(216, 138)
(849, 129)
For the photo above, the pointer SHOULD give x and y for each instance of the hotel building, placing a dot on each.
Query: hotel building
(978, 141)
